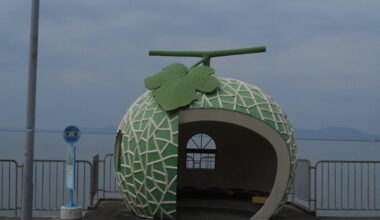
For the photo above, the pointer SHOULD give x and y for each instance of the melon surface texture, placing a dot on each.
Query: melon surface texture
(147, 154)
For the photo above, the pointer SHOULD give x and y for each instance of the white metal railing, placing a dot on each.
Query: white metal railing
(327, 186)
(337, 187)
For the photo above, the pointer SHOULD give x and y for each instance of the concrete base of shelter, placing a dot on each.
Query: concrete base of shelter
(71, 213)
(116, 210)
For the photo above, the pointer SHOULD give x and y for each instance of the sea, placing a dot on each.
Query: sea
(50, 145)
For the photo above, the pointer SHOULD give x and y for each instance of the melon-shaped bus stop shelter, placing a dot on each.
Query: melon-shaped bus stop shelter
(229, 144)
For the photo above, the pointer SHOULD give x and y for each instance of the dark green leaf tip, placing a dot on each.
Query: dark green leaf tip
(176, 86)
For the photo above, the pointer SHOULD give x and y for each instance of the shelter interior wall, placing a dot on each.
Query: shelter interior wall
(244, 159)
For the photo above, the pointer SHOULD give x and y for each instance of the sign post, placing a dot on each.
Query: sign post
(71, 134)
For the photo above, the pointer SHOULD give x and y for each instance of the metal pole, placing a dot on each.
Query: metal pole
(71, 202)
(27, 200)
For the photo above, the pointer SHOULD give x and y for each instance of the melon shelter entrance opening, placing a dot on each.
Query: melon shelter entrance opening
(222, 165)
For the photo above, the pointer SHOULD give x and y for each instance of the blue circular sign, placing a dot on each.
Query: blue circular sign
(71, 134)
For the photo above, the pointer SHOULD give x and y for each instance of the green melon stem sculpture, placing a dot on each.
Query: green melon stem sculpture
(148, 155)
(175, 86)
(207, 55)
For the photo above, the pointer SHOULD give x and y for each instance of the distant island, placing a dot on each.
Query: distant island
(335, 133)
(328, 133)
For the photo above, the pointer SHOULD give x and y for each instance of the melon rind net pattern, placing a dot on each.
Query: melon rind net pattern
(147, 160)
(248, 99)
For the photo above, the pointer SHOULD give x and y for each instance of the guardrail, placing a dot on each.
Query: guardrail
(333, 187)
(109, 178)
(9, 185)
(338, 186)
(301, 193)
(347, 185)
(104, 184)
(49, 191)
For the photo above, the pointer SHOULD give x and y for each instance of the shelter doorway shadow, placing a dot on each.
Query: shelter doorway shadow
(222, 166)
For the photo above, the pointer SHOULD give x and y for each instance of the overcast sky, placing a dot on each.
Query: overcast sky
(322, 62)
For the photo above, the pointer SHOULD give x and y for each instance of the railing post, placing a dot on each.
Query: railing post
(21, 167)
(309, 184)
(315, 187)
(313, 190)
(16, 185)
(94, 179)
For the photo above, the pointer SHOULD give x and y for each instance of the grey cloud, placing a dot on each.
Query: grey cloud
(321, 59)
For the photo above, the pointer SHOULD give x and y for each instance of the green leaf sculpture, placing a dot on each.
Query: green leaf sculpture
(176, 86)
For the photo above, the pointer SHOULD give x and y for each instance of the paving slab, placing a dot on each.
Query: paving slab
(116, 210)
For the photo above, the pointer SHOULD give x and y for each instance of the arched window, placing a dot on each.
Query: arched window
(200, 152)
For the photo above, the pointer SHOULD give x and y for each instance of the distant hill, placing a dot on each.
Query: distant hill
(335, 133)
